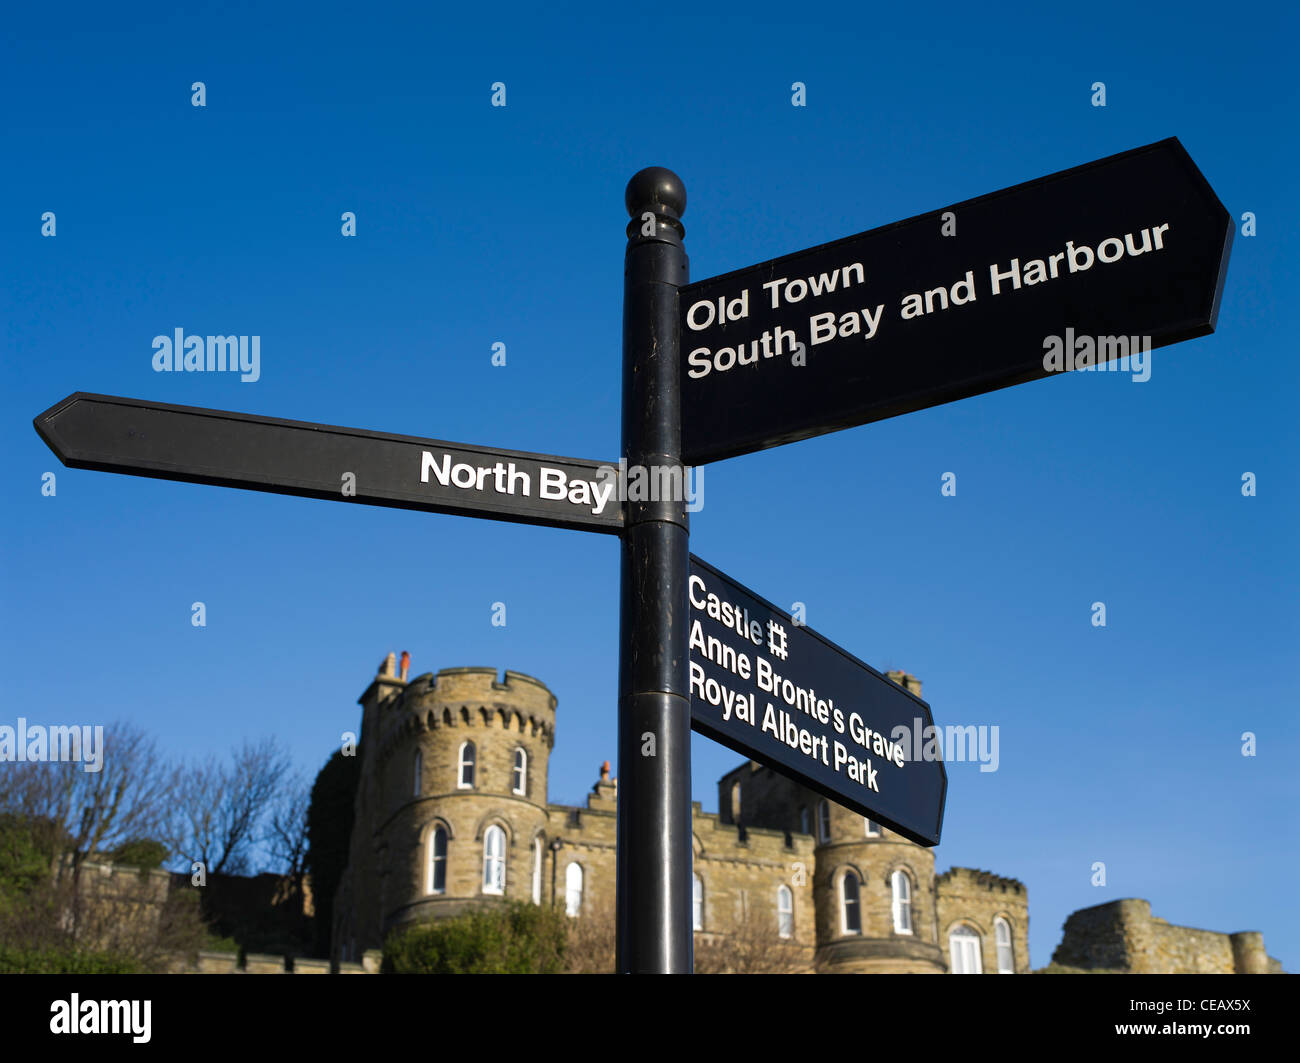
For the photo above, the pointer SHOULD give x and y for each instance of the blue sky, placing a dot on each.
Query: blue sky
(478, 225)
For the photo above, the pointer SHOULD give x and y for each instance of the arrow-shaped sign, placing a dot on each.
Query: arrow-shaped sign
(322, 461)
(1071, 271)
(784, 696)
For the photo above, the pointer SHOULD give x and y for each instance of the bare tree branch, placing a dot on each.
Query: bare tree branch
(223, 808)
(287, 829)
(129, 798)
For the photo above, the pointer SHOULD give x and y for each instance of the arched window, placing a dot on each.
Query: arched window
(521, 771)
(902, 887)
(964, 951)
(824, 820)
(873, 829)
(849, 903)
(785, 911)
(805, 821)
(437, 861)
(466, 766)
(494, 860)
(417, 770)
(697, 904)
(735, 802)
(537, 869)
(573, 889)
(1002, 938)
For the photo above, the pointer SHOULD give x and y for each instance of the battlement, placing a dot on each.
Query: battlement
(722, 839)
(266, 963)
(451, 682)
(463, 697)
(106, 870)
(1123, 935)
(973, 878)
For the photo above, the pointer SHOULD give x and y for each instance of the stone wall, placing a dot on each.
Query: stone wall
(977, 899)
(1124, 936)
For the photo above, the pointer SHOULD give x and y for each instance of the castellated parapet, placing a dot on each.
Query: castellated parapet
(462, 753)
(980, 901)
(778, 863)
(1124, 936)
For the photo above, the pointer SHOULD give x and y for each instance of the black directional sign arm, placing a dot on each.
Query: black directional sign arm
(1079, 267)
(783, 695)
(195, 445)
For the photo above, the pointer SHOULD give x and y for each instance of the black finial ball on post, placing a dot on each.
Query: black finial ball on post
(655, 188)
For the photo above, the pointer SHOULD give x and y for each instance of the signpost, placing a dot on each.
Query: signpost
(900, 318)
(321, 461)
(784, 696)
(1127, 251)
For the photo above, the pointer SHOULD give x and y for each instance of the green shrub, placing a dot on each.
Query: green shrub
(64, 961)
(144, 853)
(514, 938)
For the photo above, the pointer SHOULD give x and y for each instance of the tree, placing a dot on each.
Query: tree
(329, 833)
(287, 829)
(130, 797)
(591, 939)
(222, 808)
(124, 921)
(751, 945)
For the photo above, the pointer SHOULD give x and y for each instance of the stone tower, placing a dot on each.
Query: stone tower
(452, 804)
(872, 890)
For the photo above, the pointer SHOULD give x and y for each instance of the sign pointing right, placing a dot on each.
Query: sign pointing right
(781, 694)
(1072, 271)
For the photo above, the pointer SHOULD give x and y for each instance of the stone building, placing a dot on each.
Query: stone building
(452, 811)
(1124, 936)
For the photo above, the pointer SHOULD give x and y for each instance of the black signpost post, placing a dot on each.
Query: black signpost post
(1070, 271)
(654, 717)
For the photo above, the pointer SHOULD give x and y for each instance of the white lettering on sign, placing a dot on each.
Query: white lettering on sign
(505, 478)
(864, 321)
(794, 291)
(797, 716)
(1075, 259)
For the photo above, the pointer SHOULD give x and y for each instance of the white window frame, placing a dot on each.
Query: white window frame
(494, 863)
(572, 893)
(537, 869)
(735, 802)
(805, 821)
(519, 773)
(697, 903)
(823, 820)
(965, 950)
(785, 911)
(431, 880)
(901, 902)
(844, 902)
(462, 763)
(1006, 952)
(873, 829)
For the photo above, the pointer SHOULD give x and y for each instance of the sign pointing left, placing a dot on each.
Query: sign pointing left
(204, 446)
